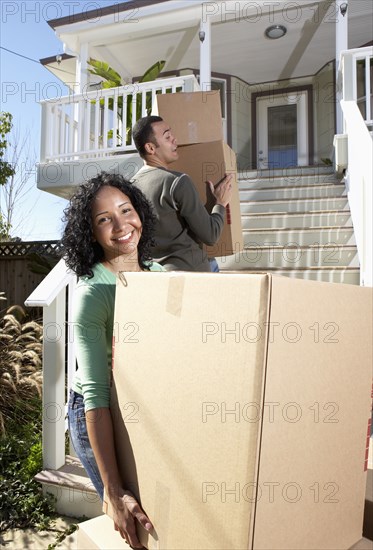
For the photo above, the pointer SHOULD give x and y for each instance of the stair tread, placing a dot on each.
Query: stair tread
(71, 474)
(305, 247)
(289, 172)
(303, 229)
(287, 187)
(340, 197)
(304, 213)
(302, 269)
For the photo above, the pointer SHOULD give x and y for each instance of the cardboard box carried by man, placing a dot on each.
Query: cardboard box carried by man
(196, 121)
(241, 407)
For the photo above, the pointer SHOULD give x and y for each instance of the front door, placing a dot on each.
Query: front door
(282, 123)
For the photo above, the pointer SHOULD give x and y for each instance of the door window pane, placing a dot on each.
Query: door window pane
(282, 136)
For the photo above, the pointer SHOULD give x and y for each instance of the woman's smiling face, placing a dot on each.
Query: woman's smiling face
(116, 224)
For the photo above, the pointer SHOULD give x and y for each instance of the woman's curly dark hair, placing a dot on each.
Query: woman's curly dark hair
(78, 248)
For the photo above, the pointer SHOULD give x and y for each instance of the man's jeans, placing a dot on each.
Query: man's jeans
(79, 438)
(214, 265)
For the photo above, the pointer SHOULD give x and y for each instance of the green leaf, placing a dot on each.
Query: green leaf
(100, 68)
(6, 168)
(153, 72)
(109, 84)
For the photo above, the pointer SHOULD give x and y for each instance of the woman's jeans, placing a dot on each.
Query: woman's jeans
(79, 438)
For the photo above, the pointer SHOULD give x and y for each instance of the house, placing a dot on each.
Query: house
(296, 93)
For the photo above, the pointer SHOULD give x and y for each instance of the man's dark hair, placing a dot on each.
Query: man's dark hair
(81, 253)
(143, 133)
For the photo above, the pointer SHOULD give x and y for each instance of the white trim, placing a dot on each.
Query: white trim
(205, 55)
(341, 44)
(263, 103)
(360, 186)
(54, 383)
(51, 286)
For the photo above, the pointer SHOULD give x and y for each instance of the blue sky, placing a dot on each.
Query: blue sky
(24, 30)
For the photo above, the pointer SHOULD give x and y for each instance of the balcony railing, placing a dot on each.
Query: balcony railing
(98, 123)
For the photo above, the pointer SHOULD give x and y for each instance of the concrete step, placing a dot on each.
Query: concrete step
(262, 220)
(74, 492)
(296, 172)
(285, 181)
(264, 258)
(294, 205)
(346, 275)
(293, 192)
(99, 534)
(299, 236)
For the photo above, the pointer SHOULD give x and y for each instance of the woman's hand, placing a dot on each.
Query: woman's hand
(119, 503)
(125, 512)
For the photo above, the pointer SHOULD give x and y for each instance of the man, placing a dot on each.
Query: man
(183, 223)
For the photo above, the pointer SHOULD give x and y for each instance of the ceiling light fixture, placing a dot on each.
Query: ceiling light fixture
(275, 31)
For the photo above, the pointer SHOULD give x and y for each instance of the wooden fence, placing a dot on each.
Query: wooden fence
(17, 281)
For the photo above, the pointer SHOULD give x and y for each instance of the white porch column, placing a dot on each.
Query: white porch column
(81, 80)
(54, 383)
(341, 44)
(205, 53)
(81, 76)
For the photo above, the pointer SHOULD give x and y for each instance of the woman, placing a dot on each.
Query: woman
(109, 226)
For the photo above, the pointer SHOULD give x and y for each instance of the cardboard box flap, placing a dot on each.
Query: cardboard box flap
(317, 407)
(182, 402)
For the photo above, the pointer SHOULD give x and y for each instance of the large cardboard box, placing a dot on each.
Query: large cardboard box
(211, 161)
(194, 117)
(241, 405)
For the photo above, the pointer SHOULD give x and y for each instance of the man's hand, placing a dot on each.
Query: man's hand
(222, 191)
(125, 512)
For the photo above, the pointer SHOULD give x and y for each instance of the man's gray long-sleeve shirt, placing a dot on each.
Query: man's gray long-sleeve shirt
(183, 222)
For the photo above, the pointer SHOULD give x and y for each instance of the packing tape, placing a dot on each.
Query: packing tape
(175, 295)
(193, 131)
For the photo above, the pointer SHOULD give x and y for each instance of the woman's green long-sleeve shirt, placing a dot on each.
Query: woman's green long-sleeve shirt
(93, 322)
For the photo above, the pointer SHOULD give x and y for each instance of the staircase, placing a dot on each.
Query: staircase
(297, 225)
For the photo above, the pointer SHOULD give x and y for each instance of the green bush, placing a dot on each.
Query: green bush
(22, 503)
(20, 366)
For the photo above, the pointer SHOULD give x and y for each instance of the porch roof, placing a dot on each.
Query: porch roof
(133, 35)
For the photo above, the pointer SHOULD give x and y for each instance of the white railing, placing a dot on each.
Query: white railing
(355, 77)
(356, 80)
(98, 123)
(51, 296)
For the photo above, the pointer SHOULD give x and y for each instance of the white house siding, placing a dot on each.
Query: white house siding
(324, 112)
(241, 122)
